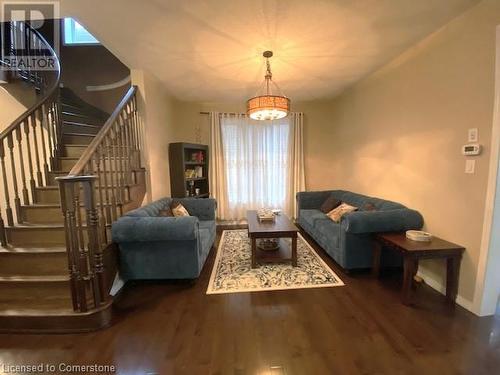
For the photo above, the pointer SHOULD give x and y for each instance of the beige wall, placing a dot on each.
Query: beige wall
(156, 109)
(10, 107)
(398, 133)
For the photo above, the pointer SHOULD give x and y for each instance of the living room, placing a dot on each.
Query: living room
(384, 99)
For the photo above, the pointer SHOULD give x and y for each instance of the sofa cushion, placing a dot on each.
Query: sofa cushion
(329, 233)
(310, 216)
(329, 204)
(207, 235)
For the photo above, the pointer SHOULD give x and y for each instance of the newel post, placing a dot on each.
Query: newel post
(83, 240)
(95, 244)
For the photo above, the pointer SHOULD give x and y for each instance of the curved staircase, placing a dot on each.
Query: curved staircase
(68, 170)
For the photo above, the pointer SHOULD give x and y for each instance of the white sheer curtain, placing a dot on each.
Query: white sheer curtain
(255, 164)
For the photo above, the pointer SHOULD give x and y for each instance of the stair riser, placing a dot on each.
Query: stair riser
(108, 164)
(35, 236)
(52, 195)
(77, 139)
(33, 264)
(73, 151)
(14, 290)
(72, 128)
(74, 115)
(46, 215)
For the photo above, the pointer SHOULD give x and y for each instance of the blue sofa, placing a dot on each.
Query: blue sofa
(349, 242)
(156, 247)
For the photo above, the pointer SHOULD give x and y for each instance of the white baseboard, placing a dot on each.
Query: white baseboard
(436, 285)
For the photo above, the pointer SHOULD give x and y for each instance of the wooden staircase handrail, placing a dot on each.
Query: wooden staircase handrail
(89, 152)
(30, 145)
(46, 96)
(101, 180)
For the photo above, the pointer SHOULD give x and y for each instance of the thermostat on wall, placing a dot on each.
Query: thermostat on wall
(471, 149)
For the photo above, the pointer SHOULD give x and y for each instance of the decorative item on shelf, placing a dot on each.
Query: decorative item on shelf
(268, 105)
(191, 188)
(197, 191)
(190, 173)
(268, 244)
(199, 171)
(265, 214)
(418, 235)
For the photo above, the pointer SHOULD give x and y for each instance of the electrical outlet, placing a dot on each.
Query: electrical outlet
(473, 135)
(470, 166)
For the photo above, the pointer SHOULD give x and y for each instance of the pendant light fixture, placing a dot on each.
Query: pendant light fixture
(268, 105)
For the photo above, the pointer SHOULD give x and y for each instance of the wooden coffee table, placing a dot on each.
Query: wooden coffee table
(412, 252)
(281, 228)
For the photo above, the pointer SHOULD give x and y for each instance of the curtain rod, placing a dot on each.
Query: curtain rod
(225, 113)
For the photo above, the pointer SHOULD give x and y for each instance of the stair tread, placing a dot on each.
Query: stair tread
(83, 124)
(55, 187)
(26, 225)
(79, 134)
(52, 307)
(35, 279)
(10, 249)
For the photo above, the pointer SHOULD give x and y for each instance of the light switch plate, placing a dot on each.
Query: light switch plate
(473, 135)
(470, 166)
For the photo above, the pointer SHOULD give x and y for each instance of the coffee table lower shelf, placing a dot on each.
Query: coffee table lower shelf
(284, 253)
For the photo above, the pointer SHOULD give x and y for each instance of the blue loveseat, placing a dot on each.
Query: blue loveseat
(349, 242)
(156, 247)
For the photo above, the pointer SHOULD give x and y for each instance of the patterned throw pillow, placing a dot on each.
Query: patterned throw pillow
(329, 204)
(179, 210)
(337, 213)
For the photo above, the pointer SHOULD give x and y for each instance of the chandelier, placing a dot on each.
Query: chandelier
(268, 105)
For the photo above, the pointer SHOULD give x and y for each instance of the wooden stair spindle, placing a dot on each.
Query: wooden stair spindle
(37, 152)
(30, 159)
(8, 209)
(19, 138)
(17, 200)
(3, 238)
(44, 125)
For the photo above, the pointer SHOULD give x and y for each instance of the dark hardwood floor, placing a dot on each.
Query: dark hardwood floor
(362, 328)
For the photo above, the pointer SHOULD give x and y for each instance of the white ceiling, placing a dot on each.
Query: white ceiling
(212, 50)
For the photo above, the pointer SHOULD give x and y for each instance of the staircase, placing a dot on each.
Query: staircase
(68, 170)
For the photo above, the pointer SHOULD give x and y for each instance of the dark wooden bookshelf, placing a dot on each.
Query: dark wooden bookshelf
(184, 157)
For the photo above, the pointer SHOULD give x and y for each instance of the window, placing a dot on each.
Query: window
(257, 163)
(76, 34)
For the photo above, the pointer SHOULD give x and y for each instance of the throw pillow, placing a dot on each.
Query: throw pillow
(179, 210)
(337, 213)
(167, 212)
(369, 207)
(329, 204)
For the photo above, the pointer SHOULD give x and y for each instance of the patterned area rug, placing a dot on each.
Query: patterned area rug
(232, 272)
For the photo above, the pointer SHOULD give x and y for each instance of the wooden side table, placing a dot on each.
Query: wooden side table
(412, 252)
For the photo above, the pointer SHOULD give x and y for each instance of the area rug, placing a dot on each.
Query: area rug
(232, 271)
